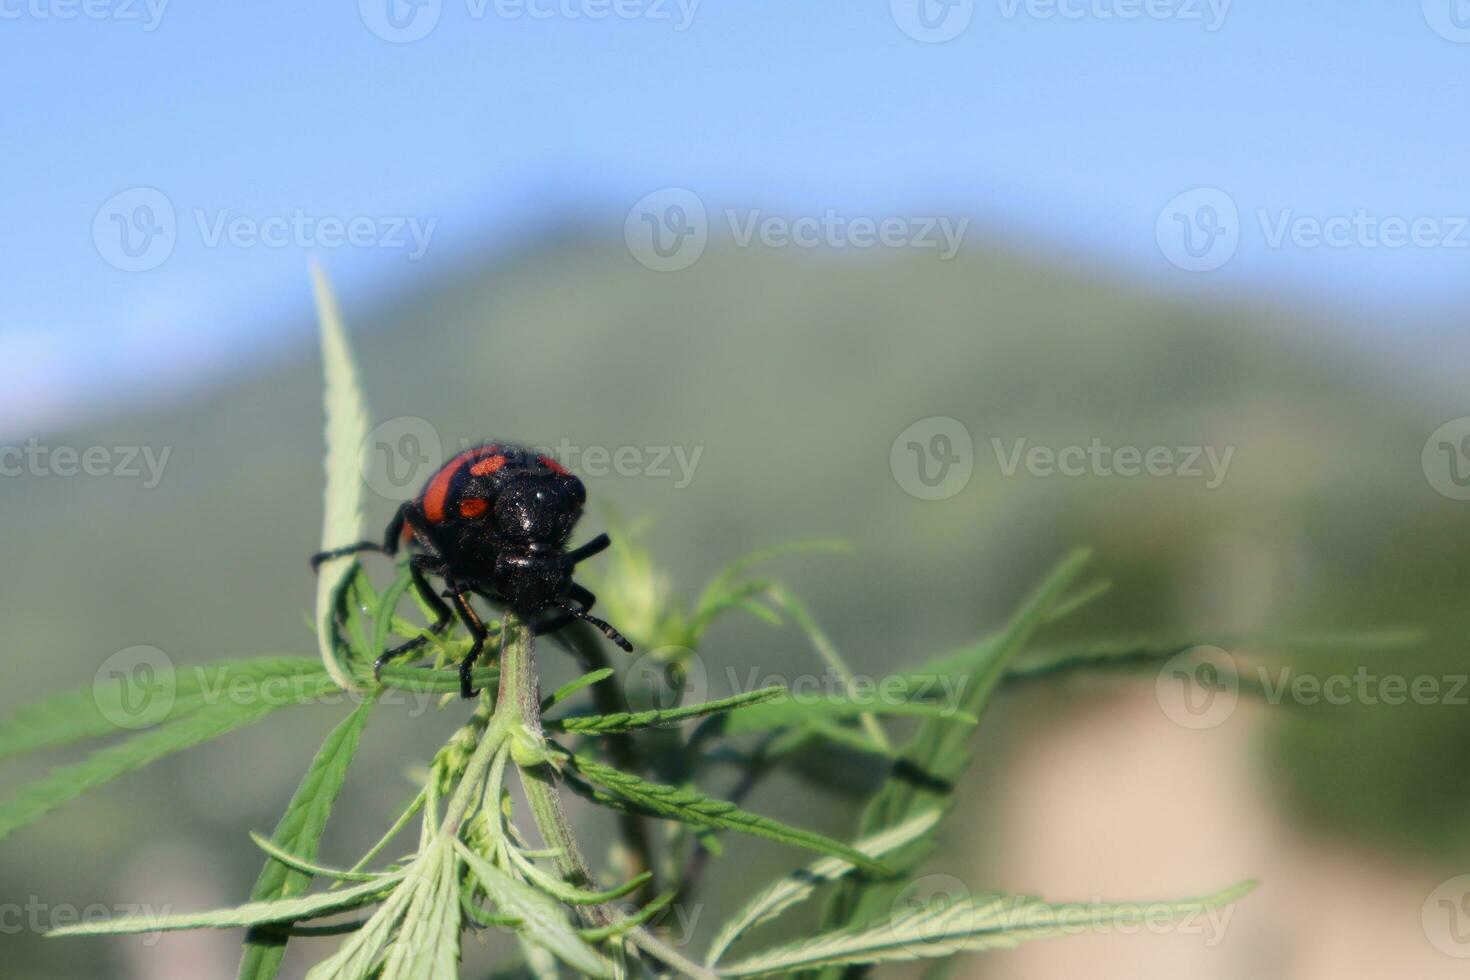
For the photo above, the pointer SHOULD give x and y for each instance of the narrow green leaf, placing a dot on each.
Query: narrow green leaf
(938, 753)
(572, 895)
(427, 946)
(408, 813)
(569, 689)
(790, 710)
(249, 914)
(1145, 652)
(346, 429)
(968, 925)
(627, 720)
(383, 612)
(309, 868)
(67, 783)
(125, 704)
(691, 806)
(298, 834)
(798, 886)
(543, 922)
(424, 681)
(355, 958)
(630, 923)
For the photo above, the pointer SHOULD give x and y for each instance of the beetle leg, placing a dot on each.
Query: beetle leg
(477, 629)
(417, 566)
(595, 546)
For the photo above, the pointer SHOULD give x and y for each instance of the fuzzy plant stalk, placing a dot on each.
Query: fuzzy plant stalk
(518, 714)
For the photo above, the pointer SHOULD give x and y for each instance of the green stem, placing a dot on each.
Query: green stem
(519, 703)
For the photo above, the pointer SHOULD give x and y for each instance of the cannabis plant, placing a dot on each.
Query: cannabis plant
(467, 856)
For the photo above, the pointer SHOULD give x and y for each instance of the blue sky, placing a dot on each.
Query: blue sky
(1069, 123)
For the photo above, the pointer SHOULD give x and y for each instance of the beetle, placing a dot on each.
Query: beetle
(493, 521)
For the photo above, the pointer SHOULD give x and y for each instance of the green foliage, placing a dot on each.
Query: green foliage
(299, 832)
(471, 866)
(693, 807)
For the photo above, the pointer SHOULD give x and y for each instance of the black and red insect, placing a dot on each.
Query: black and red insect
(493, 522)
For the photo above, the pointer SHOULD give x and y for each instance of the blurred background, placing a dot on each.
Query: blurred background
(964, 282)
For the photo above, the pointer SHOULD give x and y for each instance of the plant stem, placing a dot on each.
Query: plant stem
(520, 703)
(609, 700)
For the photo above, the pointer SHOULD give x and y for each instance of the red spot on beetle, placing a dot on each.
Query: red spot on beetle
(437, 492)
(552, 465)
(473, 506)
(487, 465)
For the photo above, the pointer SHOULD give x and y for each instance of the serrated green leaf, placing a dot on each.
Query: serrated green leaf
(570, 688)
(427, 946)
(383, 619)
(309, 868)
(298, 833)
(798, 886)
(356, 957)
(691, 806)
(422, 680)
(788, 711)
(109, 706)
(346, 429)
(542, 921)
(630, 923)
(1145, 652)
(249, 914)
(967, 925)
(566, 892)
(627, 720)
(68, 782)
(938, 753)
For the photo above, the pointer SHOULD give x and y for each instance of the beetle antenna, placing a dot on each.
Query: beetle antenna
(601, 624)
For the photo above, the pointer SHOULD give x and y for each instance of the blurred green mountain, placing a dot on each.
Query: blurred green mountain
(791, 375)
